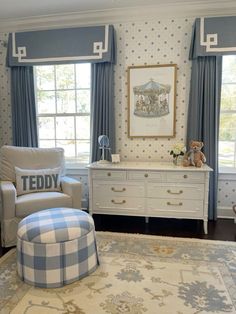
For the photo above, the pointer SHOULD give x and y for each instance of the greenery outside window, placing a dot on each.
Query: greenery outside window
(63, 109)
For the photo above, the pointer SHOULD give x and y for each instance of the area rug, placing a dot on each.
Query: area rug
(138, 274)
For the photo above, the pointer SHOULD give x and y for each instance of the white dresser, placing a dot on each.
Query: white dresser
(149, 189)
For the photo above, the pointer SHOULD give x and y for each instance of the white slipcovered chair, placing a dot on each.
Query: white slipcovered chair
(14, 207)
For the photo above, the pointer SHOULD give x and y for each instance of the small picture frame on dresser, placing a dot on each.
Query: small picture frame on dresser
(115, 158)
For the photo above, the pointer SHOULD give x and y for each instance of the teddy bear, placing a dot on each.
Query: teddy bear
(194, 157)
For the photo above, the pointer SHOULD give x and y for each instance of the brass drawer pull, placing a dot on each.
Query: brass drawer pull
(170, 192)
(185, 176)
(122, 190)
(109, 174)
(146, 175)
(175, 204)
(115, 202)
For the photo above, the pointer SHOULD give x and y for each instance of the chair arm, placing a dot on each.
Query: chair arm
(8, 196)
(73, 188)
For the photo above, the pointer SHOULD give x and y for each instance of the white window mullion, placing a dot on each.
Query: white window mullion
(54, 121)
(55, 91)
(76, 148)
(49, 83)
(234, 154)
(227, 141)
(36, 101)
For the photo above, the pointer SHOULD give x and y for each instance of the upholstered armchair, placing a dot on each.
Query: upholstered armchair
(32, 179)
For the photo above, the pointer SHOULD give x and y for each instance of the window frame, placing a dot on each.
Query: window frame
(71, 162)
(222, 168)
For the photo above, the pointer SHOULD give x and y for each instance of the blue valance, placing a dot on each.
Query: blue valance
(213, 36)
(57, 46)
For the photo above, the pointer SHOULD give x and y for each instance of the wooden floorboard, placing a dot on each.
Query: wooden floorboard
(222, 229)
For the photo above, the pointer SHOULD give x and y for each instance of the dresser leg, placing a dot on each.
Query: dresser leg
(146, 220)
(205, 226)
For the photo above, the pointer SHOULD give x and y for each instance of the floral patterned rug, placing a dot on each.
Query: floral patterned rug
(138, 274)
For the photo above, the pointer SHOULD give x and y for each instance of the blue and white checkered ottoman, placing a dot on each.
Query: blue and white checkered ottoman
(56, 247)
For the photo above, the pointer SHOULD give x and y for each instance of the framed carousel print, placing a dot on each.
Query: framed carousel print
(151, 99)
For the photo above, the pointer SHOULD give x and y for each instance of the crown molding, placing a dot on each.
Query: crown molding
(98, 17)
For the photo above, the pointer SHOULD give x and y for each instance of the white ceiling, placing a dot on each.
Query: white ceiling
(14, 9)
(37, 14)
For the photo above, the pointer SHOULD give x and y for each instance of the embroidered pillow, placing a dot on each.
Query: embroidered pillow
(30, 181)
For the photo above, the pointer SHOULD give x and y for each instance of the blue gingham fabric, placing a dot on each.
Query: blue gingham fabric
(56, 247)
(55, 225)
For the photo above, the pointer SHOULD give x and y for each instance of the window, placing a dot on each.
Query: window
(227, 132)
(63, 109)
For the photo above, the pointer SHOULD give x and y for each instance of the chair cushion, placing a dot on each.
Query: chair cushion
(55, 225)
(30, 181)
(29, 158)
(29, 203)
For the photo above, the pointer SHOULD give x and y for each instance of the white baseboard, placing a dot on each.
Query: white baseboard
(225, 212)
(84, 203)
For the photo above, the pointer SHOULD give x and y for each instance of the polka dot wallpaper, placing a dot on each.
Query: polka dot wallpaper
(5, 99)
(160, 41)
(151, 43)
(227, 192)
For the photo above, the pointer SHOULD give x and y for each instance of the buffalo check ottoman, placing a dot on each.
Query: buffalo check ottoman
(56, 247)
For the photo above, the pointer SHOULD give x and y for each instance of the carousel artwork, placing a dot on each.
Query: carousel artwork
(151, 99)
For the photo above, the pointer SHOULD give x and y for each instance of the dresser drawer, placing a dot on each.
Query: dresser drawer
(109, 174)
(177, 191)
(146, 175)
(120, 205)
(115, 188)
(185, 176)
(149, 190)
(175, 208)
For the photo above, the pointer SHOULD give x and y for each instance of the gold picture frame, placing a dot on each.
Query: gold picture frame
(152, 100)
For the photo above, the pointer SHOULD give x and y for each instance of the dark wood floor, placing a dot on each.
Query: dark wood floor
(222, 229)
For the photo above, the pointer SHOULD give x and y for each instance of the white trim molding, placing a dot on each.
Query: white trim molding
(227, 176)
(225, 212)
(98, 17)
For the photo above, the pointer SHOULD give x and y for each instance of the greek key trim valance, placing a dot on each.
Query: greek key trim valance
(213, 36)
(69, 45)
